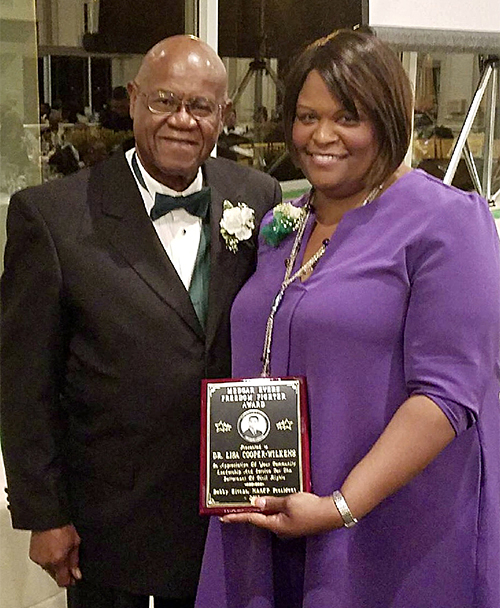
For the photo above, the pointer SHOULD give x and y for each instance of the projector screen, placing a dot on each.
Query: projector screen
(451, 25)
(476, 16)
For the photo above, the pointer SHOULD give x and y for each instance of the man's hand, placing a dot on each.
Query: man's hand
(56, 551)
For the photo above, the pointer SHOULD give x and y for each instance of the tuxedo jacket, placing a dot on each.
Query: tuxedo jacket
(102, 357)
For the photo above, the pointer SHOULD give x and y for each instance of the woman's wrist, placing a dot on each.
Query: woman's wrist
(348, 519)
(332, 517)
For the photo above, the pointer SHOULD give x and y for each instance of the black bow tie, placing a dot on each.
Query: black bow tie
(195, 204)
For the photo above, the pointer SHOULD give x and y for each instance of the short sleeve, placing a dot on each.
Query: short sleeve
(452, 335)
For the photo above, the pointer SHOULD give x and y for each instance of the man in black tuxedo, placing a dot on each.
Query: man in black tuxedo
(115, 303)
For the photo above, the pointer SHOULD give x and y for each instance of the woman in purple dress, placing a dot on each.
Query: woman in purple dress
(395, 324)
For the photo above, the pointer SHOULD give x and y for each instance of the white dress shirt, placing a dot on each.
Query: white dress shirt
(178, 230)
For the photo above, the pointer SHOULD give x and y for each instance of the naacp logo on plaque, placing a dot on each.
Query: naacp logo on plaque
(254, 442)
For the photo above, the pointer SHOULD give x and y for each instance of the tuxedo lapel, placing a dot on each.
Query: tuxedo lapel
(122, 219)
(227, 269)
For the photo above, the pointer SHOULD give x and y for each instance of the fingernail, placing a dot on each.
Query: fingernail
(260, 503)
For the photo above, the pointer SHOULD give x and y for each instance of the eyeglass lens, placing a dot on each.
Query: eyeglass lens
(166, 102)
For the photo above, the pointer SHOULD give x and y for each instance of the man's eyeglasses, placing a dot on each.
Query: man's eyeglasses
(166, 103)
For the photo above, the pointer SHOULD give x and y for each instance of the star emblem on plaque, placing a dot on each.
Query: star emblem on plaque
(222, 427)
(284, 425)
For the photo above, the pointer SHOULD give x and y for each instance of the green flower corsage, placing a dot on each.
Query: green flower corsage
(286, 219)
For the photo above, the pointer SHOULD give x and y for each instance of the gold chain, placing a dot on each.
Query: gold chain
(289, 278)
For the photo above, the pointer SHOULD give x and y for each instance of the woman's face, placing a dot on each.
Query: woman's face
(334, 149)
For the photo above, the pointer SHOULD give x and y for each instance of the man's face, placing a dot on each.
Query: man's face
(253, 423)
(172, 147)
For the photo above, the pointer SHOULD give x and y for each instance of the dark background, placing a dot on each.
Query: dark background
(288, 24)
(134, 26)
(126, 26)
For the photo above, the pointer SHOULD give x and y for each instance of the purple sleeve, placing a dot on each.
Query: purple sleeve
(452, 333)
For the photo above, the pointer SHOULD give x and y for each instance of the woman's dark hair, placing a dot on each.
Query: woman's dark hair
(362, 73)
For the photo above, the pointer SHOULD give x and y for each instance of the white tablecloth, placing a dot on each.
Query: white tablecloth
(22, 583)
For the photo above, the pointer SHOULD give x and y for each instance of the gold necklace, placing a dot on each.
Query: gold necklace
(287, 281)
(304, 269)
(372, 195)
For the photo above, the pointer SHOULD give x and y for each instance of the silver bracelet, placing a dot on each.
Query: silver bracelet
(343, 508)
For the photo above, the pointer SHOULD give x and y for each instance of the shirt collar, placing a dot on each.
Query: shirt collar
(153, 186)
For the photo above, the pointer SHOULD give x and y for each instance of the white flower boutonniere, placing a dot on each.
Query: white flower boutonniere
(286, 219)
(237, 224)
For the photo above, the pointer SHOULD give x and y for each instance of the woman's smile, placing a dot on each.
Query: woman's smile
(334, 147)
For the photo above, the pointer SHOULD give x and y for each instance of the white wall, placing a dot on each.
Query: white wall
(124, 69)
(60, 22)
(459, 78)
(70, 22)
(18, 90)
(17, 9)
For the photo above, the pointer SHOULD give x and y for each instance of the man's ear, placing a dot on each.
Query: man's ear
(227, 108)
(132, 93)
